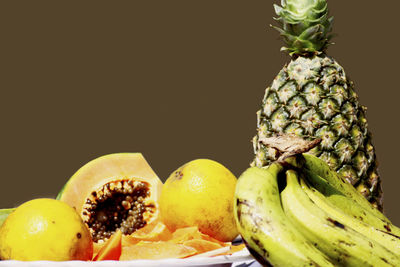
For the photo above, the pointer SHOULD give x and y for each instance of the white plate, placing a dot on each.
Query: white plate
(239, 257)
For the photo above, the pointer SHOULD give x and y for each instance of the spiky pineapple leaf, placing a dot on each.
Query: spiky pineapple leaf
(304, 25)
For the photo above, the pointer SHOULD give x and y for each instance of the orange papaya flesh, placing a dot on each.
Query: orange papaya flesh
(114, 192)
(154, 243)
(156, 232)
(155, 250)
(181, 235)
(193, 232)
(201, 245)
(112, 248)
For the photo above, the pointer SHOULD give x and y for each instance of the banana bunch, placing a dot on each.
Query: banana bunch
(298, 212)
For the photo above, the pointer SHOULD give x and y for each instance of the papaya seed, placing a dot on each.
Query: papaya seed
(117, 205)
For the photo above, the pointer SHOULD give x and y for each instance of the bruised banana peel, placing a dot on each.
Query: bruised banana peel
(348, 205)
(263, 225)
(341, 243)
(390, 241)
(319, 167)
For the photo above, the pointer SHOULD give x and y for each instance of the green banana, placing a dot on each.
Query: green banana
(341, 243)
(4, 214)
(318, 166)
(349, 206)
(263, 225)
(387, 240)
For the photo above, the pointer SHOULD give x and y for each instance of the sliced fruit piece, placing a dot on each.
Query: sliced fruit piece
(211, 239)
(192, 232)
(156, 250)
(211, 253)
(158, 232)
(183, 234)
(184, 242)
(112, 249)
(116, 191)
(201, 245)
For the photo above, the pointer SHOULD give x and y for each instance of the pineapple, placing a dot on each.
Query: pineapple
(312, 97)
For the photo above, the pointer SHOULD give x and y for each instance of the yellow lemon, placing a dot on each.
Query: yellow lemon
(45, 229)
(200, 193)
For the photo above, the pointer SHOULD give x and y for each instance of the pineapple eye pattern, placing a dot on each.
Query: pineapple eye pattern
(312, 97)
(328, 137)
(312, 93)
(279, 120)
(287, 91)
(328, 107)
(271, 104)
(296, 106)
(345, 150)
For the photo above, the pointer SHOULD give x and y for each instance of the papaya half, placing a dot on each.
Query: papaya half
(114, 192)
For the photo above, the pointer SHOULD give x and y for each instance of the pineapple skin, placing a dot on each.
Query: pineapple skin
(312, 97)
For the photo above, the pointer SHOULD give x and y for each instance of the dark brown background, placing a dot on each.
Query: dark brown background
(175, 80)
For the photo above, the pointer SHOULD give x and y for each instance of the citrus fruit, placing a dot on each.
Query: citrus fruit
(45, 229)
(200, 193)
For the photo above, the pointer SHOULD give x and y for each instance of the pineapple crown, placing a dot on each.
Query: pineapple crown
(305, 26)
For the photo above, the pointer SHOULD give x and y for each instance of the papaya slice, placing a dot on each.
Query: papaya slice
(116, 191)
(192, 232)
(159, 232)
(211, 239)
(202, 245)
(156, 250)
(111, 250)
(157, 242)
(183, 234)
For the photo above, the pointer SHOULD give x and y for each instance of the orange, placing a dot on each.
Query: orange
(45, 229)
(200, 193)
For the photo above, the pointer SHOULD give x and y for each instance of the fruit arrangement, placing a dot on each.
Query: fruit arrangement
(110, 209)
(302, 213)
(318, 197)
(312, 195)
